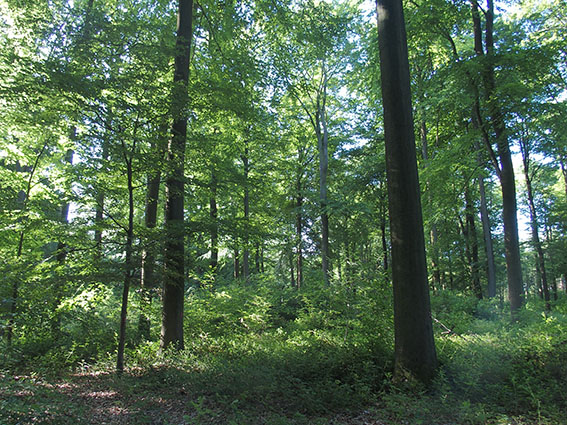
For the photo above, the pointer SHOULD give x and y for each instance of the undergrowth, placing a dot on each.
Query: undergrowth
(266, 353)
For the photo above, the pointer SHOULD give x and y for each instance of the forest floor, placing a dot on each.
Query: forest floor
(247, 363)
(153, 397)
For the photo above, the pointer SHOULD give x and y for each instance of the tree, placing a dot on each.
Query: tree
(414, 345)
(174, 283)
(504, 167)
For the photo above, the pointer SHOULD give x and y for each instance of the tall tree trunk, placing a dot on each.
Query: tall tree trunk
(174, 285)
(414, 344)
(505, 168)
(128, 268)
(148, 278)
(323, 147)
(526, 161)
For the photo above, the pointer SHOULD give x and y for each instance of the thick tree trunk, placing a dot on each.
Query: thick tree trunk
(414, 344)
(174, 285)
(506, 169)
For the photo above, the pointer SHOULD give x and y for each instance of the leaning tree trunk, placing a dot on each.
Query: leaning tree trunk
(414, 344)
(505, 167)
(173, 288)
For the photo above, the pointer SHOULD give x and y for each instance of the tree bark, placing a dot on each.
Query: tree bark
(174, 285)
(526, 161)
(472, 243)
(414, 344)
(487, 234)
(213, 213)
(505, 166)
(148, 278)
(99, 211)
(246, 252)
(128, 268)
(299, 228)
(323, 147)
(61, 255)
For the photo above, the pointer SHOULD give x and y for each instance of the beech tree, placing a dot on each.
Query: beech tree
(174, 259)
(414, 346)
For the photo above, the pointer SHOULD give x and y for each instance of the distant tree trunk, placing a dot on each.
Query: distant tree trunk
(128, 267)
(16, 284)
(174, 285)
(487, 234)
(257, 257)
(61, 255)
(542, 274)
(148, 278)
(414, 344)
(236, 263)
(99, 211)
(433, 233)
(321, 131)
(564, 172)
(291, 268)
(213, 212)
(505, 169)
(246, 253)
(299, 230)
(473, 243)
